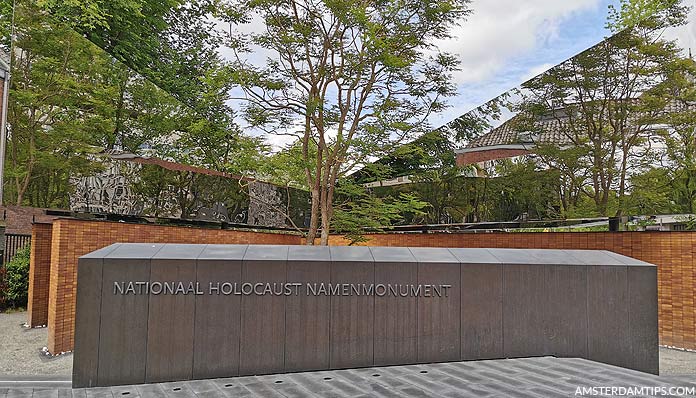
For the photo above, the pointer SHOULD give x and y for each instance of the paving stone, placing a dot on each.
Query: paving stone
(261, 389)
(65, 393)
(19, 393)
(210, 394)
(150, 391)
(79, 393)
(235, 390)
(202, 386)
(45, 393)
(125, 392)
(99, 392)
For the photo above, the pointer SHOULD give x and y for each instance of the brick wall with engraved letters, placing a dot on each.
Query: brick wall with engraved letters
(673, 252)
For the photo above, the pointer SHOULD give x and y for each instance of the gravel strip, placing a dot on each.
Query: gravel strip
(677, 363)
(20, 350)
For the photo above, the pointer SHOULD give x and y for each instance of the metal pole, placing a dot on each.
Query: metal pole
(5, 101)
(3, 132)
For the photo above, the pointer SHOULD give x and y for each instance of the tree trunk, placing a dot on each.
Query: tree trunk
(690, 197)
(622, 184)
(22, 188)
(604, 203)
(325, 206)
(327, 215)
(325, 224)
(314, 219)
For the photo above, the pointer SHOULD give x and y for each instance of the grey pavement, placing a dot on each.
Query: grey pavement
(529, 377)
(21, 362)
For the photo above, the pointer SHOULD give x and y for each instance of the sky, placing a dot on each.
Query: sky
(506, 42)
(582, 29)
(503, 43)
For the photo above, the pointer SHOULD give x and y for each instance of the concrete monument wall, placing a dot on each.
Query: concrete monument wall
(164, 312)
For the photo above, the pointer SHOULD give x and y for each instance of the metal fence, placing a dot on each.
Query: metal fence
(14, 243)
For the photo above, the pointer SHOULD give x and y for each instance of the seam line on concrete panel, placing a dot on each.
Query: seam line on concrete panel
(285, 319)
(330, 308)
(241, 306)
(628, 304)
(374, 307)
(459, 329)
(195, 308)
(461, 299)
(147, 342)
(101, 294)
(418, 336)
(239, 340)
(496, 257)
(502, 306)
(331, 263)
(546, 310)
(587, 312)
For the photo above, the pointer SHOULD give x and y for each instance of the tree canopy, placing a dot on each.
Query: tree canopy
(605, 107)
(352, 84)
(351, 78)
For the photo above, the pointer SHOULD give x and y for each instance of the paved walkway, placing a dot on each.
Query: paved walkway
(530, 377)
(20, 359)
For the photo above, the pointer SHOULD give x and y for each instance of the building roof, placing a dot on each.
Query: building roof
(551, 132)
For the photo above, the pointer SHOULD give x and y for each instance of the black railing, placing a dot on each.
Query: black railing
(13, 244)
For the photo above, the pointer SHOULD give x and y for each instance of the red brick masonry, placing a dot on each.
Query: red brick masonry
(39, 274)
(673, 253)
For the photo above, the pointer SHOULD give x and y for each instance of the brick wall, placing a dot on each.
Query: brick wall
(39, 275)
(74, 238)
(19, 219)
(674, 253)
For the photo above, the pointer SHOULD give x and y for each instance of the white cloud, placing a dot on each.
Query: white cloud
(279, 142)
(537, 70)
(686, 35)
(499, 30)
(499, 46)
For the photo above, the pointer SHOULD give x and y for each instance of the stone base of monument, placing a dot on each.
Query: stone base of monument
(150, 313)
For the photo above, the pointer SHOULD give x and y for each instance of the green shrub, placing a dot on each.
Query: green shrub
(3, 288)
(16, 285)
